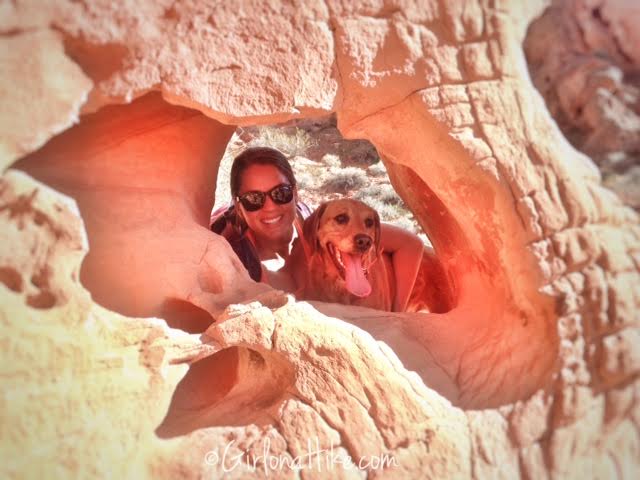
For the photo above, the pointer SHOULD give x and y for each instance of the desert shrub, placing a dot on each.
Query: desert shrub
(389, 195)
(305, 180)
(381, 192)
(290, 141)
(359, 153)
(347, 179)
(377, 170)
(332, 161)
(368, 192)
(386, 211)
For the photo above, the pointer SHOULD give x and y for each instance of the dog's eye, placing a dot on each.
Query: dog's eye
(342, 218)
(368, 222)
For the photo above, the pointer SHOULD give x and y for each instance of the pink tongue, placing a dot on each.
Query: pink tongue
(357, 283)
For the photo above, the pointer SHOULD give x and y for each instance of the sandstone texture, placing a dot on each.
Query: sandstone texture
(134, 343)
(585, 61)
(46, 100)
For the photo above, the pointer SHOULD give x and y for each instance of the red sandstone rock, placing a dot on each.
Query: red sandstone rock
(542, 257)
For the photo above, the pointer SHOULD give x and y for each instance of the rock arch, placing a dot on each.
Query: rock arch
(544, 334)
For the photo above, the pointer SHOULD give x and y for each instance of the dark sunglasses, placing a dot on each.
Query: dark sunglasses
(254, 200)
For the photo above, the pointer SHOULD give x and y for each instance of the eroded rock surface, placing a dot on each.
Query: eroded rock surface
(41, 89)
(143, 216)
(585, 60)
(541, 349)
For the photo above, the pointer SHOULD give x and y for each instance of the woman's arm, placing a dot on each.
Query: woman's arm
(406, 251)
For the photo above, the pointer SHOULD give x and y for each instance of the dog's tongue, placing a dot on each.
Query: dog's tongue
(357, 283)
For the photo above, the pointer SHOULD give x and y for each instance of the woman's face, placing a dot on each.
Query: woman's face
(273, 221)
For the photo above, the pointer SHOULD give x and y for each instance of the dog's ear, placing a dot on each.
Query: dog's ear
(310, 228)
(374, 253)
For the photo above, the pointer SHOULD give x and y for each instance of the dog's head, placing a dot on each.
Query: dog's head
(348, 232)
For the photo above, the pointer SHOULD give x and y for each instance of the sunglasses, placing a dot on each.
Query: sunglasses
(254, 200)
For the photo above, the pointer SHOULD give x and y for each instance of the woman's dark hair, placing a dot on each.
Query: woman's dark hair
(260, 156)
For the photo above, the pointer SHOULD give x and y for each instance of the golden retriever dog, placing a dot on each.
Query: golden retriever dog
(342, 261)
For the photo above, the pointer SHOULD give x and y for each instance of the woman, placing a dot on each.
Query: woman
(266, 217)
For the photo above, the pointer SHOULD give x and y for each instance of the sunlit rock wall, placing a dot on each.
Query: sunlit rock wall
(532, 374)
(585, 61)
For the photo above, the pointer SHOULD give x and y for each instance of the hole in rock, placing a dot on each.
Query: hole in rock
(235, 386)
(40, 279)
(185, 315)
(144, 175)
(11, 278)
(42, 300)
(327, 167)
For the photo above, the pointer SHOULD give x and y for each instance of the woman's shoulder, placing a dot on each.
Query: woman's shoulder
(303, 209)
(222, 220)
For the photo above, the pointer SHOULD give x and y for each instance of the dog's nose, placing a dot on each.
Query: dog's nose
(363, 242)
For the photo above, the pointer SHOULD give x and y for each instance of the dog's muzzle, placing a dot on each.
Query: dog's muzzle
(362, 242)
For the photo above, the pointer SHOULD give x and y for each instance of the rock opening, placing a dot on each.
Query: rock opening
(233, 387)
(143, 176)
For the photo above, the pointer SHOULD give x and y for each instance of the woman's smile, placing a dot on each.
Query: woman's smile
(272, 220)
